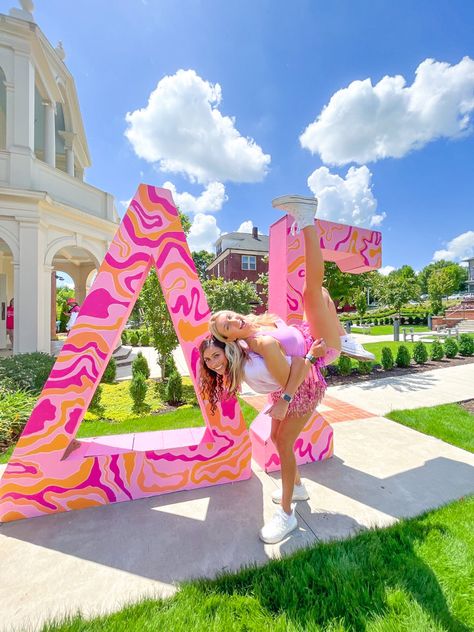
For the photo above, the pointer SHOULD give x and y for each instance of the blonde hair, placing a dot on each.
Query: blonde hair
(261, 320)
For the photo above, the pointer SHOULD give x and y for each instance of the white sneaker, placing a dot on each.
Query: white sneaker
(353, 349)
(279, 526)
(299, 493)
(302, 209)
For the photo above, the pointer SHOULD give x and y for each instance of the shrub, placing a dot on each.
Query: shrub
(332, 369)
(134, 339)
(170, 366)
(410, 320)
(365, 367)
(345, 365)
(95, 406)
(124, 337)
(15, 410)
(174, 389)
(145, 339)
(466, 345)
(138, 389)
(403, 356)
(387, 359)
(437, 351)
(140, 365)
(29, 371)
(450, 348)
(420, 353)
(417, 320)
(110, 372)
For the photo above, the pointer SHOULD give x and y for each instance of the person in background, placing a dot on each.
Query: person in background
(72, 312)
(10, 321)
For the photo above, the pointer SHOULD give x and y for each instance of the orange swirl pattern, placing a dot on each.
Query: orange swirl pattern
(49, 471)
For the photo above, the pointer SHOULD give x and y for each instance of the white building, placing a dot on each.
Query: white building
(51, 221)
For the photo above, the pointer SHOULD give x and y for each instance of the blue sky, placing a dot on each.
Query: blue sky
(366, 103)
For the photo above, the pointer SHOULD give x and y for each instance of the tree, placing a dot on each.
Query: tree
(442, 282)
(343, 287)
(62, 294)
(424, 275)
(238, 296)
(202, 259)
(395, 290)
(151, 303)
(360, 303)
(157, 319)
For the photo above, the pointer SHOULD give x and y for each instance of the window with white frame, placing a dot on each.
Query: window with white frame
(249, 262)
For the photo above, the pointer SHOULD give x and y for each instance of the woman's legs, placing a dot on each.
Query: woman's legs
(288, 432)
(319, 312)
(332, 309)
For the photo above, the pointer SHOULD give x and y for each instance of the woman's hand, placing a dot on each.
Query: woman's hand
(318, 349)
(279, 410)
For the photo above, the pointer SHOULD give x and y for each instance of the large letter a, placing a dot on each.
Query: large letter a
(44, 475)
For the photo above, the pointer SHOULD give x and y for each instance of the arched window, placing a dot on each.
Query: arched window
(3, 111)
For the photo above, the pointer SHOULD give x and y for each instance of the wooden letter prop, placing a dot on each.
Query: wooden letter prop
(354, 250)
(49, 470)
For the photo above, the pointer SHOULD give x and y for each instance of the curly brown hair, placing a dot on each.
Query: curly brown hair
(214, 387)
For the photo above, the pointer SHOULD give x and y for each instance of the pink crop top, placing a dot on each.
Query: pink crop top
(290, 338)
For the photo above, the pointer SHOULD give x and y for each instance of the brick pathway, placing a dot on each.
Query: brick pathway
(333, 410)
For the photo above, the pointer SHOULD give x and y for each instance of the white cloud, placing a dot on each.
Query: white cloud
(210, 200)
(125, 203)
(385, 271)
(182, 129)
(363, 123)
(204, 232)
(347, 200)
(245, 227)
(461, 247)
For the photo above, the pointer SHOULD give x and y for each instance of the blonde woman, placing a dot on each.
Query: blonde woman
(295, 391)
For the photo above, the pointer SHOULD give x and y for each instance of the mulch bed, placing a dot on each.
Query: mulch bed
(379, 373)
(468, 405)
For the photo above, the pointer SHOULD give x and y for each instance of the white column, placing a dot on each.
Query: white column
(10, 90)
(49, 134)
(70, 161)
(24, 109)
(16, 303)
(29, 301)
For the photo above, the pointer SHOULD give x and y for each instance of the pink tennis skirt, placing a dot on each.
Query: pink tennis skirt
(311, 391)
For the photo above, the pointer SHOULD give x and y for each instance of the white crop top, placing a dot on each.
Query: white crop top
(258, 376)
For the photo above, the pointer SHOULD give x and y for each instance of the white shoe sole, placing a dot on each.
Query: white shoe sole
(364, 358)
(292, 199)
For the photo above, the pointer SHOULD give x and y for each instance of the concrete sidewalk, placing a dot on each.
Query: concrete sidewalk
(99, 559)
(430, 388)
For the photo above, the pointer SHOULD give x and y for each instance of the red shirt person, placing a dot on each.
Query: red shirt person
(72, 312)
(10, 321)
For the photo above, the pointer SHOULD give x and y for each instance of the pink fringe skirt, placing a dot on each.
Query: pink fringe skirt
(311, 391)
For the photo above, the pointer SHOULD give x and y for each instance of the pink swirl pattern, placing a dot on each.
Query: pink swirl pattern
(49, 470)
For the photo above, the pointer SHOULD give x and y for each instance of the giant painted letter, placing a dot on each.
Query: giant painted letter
(354, 250)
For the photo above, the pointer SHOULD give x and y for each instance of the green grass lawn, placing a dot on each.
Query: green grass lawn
(118, 417)
(382, 330)
(450, 422)
(411, 577)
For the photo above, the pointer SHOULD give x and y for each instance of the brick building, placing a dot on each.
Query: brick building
(241, 256)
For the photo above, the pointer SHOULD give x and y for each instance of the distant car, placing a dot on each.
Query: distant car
(454, 296)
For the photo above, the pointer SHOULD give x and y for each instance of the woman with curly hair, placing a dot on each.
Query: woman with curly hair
(296, 388)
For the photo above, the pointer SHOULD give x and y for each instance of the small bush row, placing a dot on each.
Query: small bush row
(136, 337)
(403, 358)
